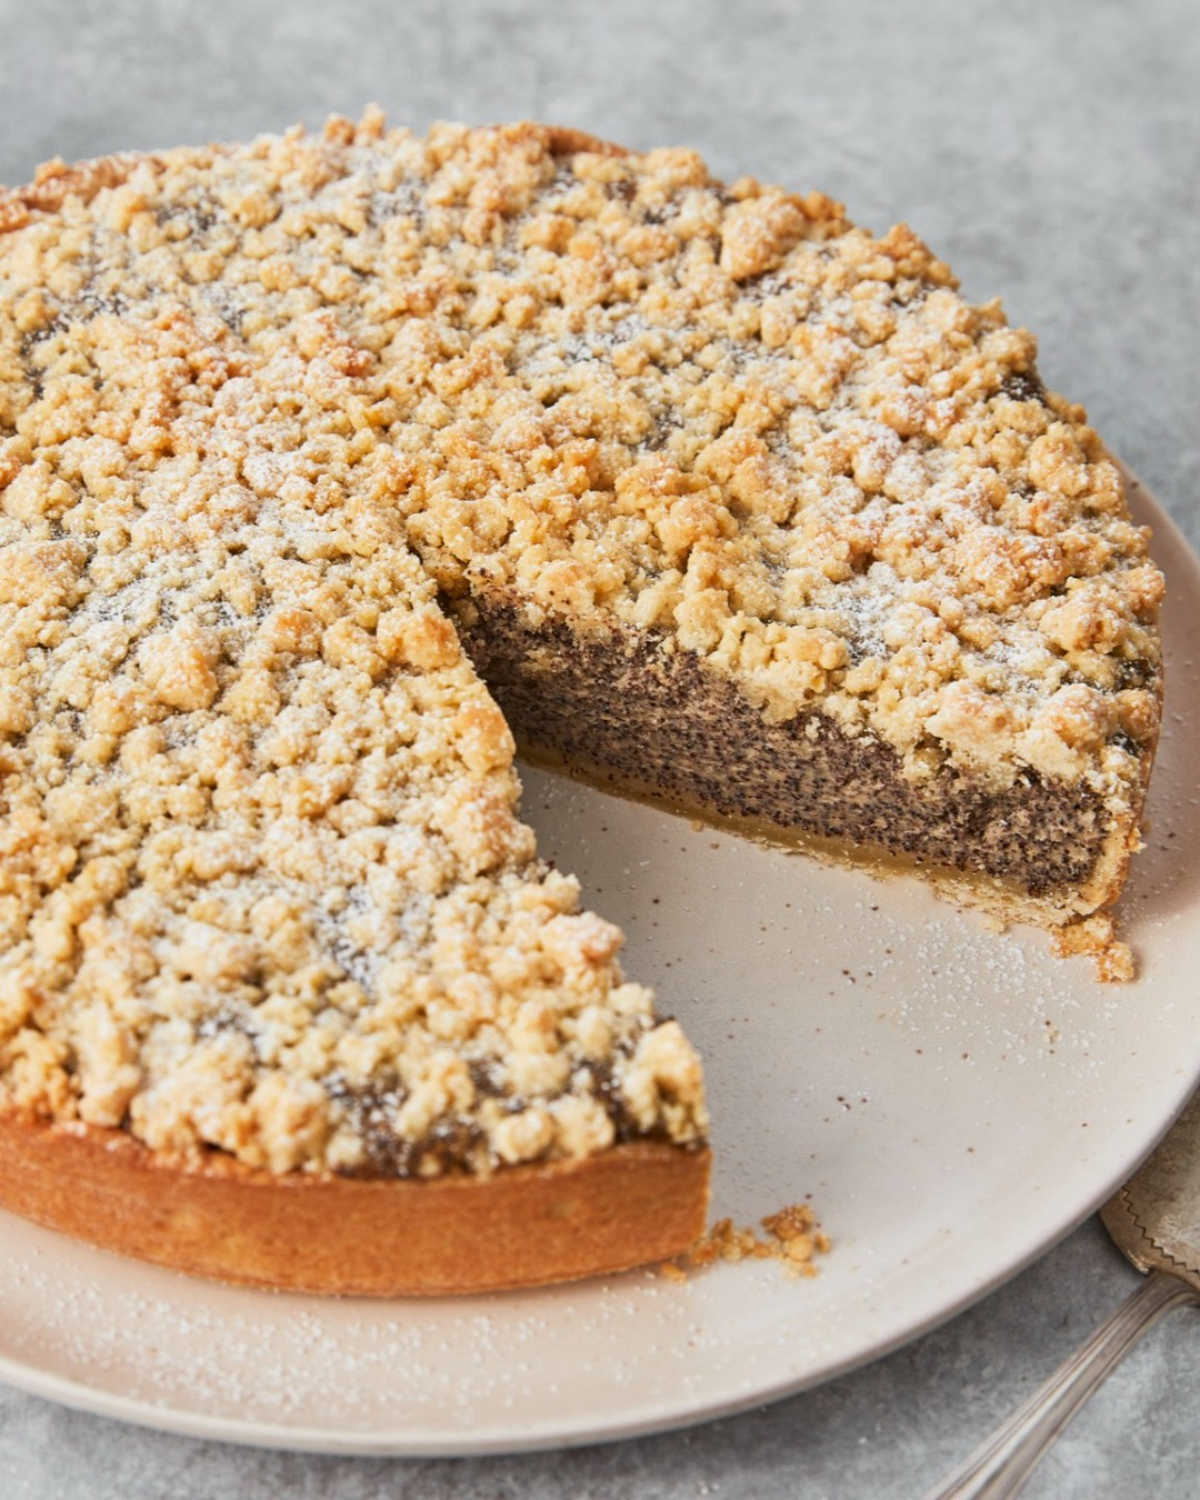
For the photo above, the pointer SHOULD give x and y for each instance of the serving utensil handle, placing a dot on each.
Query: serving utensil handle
(1000, 1468)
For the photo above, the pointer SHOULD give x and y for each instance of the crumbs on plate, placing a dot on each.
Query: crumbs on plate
(793, 1237)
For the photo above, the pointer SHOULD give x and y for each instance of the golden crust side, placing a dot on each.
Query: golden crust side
(524, 1226)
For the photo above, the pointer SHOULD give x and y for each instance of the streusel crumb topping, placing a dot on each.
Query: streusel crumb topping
(263, 885)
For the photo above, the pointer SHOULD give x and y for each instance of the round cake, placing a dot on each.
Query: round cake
(332, 469)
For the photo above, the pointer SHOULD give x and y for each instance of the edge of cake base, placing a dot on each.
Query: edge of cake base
(523, 1226)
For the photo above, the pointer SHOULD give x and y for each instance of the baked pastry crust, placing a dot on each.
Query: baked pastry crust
(526, 1226)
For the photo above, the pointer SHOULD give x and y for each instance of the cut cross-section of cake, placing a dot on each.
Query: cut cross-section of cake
(748, 511)
(732, 504)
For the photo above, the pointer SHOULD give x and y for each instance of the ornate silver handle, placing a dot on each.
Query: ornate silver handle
(1000, 1468)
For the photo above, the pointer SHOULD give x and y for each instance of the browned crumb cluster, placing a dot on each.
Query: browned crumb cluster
(793, 1237)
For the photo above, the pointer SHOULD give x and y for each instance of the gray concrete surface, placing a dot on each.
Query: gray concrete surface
(1050, 151)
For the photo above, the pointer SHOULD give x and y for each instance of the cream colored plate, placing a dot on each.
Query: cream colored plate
(953, 1102)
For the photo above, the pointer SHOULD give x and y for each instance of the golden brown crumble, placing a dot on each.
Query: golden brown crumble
(263, 882)
(793, 1237)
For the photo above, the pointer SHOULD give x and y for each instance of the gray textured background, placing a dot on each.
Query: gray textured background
(1051, 152)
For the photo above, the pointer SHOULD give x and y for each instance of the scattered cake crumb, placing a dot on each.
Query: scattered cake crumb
(793, 1236)
(1095, 935)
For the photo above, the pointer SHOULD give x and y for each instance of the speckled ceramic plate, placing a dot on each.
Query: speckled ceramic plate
(952, 1101)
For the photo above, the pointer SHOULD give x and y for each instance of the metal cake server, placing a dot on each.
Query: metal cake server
(1155, 1221)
